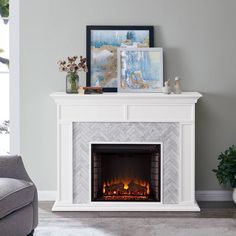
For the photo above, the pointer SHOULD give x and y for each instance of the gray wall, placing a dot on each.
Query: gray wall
(198, 38)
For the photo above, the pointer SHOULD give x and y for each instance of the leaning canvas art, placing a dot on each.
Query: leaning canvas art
(102, 44)
(140, 69)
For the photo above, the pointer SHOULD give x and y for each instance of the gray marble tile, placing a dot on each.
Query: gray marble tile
(83, 133)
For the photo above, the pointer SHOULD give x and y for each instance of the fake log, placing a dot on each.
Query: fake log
(136, 189)
(114, 188)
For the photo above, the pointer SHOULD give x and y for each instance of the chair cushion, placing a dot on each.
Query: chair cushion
(14, 194)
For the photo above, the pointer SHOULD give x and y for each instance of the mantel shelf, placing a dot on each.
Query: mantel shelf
(127, 95)
(63, 98)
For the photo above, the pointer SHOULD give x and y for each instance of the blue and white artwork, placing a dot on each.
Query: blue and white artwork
(140, 70)
(104, 44)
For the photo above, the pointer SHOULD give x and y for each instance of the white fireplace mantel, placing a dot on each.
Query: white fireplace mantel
(116, 107)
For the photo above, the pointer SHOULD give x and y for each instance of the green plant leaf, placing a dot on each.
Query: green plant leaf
(226, 169)
(4, 8)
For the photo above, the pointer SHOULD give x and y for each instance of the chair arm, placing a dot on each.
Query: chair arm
(13, 167)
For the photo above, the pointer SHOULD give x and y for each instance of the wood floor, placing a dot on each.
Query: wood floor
(208, 210)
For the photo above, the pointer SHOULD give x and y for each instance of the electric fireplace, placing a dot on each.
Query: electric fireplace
(126, 172)
(137, 118)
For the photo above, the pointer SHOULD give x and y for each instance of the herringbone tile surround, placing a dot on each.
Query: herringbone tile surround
(85, 132)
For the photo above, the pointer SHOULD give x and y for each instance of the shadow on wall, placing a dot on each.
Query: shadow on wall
(174, 60)
(215, 114)
(174, 64)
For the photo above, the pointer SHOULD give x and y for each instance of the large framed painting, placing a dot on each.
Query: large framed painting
(102, 45)
(140, 69)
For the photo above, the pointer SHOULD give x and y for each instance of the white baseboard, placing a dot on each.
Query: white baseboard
(47, 195)
(200, 195)
(214, 195)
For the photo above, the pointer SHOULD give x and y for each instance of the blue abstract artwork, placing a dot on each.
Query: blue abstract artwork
(104, 44)
(140, 70)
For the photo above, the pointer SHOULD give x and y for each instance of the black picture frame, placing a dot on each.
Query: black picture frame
(90, 28)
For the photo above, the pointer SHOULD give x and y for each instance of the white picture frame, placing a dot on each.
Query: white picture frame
(140, 70)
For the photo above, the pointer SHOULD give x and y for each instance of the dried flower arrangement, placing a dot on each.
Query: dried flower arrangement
(72, 68)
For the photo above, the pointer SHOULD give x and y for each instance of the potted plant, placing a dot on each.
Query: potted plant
(226, 171)
(72, 68)
(4, 8)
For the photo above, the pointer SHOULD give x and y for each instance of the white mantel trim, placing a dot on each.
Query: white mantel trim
(63, 98)
(129, 95)
(161, 166)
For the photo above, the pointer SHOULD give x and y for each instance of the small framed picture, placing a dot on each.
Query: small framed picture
(102, 44)
(140, 70)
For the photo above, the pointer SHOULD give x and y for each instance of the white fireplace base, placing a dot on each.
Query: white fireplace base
(120, 206)
(132, 108)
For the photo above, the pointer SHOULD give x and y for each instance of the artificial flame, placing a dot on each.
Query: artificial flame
(125, 184)
(104, 188)
(148, 189)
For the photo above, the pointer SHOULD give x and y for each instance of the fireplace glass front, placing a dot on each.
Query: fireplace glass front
(126, 172)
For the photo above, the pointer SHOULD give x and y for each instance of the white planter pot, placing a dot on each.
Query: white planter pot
(234, 195)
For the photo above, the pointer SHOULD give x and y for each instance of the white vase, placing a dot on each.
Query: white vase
(177, 86)
(234, 195)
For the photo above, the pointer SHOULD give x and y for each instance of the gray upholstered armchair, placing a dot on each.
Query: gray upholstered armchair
(18, 198)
